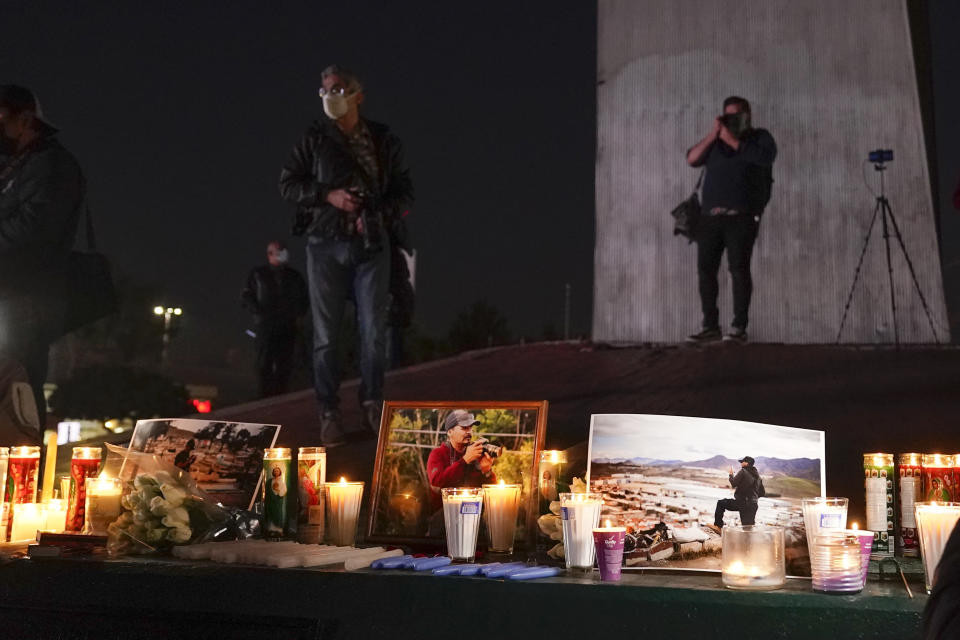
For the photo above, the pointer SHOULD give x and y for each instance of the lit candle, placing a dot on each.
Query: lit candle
(579, 514)
(608, 541)
(278, 491)
(501, 503)
(866, 540)
(820, 514)
(102, 503)
(311, 476)
(84, 463)
(28, 518)
(551, 467)
(56, 515)
(836, 567)
(753, 557)
(935, 522)
(461, 518)
(49, 467)
(343, 510)
(23, 466)
(909, 494)
(4, 506)
(937, 477)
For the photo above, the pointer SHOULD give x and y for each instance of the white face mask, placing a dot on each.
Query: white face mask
(335, 105)
(281, 256)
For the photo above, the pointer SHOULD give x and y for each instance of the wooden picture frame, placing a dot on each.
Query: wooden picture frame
(402, 504)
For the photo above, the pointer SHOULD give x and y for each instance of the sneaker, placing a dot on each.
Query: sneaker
(736, 336)
(372, 411)
(331, 429)
(707, 335)
(717, 530)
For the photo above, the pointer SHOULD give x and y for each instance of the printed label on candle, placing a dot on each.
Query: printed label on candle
(830, 521)
(567, 514)
(470, 508)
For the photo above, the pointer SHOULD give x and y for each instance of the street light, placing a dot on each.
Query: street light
(168, 313)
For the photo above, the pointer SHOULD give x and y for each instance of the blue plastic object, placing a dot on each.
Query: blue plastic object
(505, 570)
(457, 570)
(425, 564)
(390, 563)
(532, 573)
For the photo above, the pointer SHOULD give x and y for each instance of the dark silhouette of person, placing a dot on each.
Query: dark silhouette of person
(185, 457)
(745, 495)
(277, 295)
(941, 616)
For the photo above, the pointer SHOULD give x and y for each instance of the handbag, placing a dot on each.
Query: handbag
(686, 215)
(91, 293)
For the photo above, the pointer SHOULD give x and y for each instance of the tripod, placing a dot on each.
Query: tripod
(888, 221)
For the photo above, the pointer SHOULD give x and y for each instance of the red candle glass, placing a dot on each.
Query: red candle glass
(22, 471)
(84, 464)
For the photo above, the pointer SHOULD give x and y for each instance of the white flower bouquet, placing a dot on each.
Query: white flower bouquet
(162, 506)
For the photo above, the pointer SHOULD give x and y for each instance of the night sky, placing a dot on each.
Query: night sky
(183, 115)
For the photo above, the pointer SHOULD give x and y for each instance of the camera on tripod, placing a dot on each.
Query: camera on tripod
(880, 156)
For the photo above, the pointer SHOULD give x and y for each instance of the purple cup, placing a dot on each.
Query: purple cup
(866, 548)
(609, 543)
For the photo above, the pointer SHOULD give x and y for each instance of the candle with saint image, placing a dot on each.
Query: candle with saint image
(462, 507)
(343, 509)
(579, 515)
(608, 540)
(501, 503)
(938, 477)
(85, 463)
(102, 503)
(23, 466)
(312, 474)
(4, 516)
(28, 518)
(551, 468)
(909, 494)
(935, 522)
(880, 489)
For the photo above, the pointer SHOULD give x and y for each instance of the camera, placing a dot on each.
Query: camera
(372, 221)
(881, 155)
(492, 450)
(736, 123)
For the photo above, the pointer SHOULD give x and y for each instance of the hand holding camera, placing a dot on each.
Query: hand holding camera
(345, 200)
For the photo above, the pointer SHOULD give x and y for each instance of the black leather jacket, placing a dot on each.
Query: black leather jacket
(322, 162)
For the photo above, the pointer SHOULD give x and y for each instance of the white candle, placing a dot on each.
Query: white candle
(28, 518)
(56, 515)
(935, 522)
(102, 503)
(343, 509)
(580, 514)
(49, 467)
(461, 517)
(753, 557)
(501, 503)
(821, 514)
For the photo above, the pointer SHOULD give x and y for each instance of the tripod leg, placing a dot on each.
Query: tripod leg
(913, 273)
(884, 206)
(856, 273)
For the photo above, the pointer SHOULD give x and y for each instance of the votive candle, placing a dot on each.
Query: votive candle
(28, 518)
(820, 514)
(935, 522)
(501, 504)
(937, 477)
(753, 557)
(102, 503)
(56, 515)
(579, 515)
(608, 541)
(343, 510)
(84, 463)
(909, 494)
(462, 507)
(311, 476)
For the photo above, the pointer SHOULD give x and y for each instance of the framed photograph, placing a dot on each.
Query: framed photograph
(422, 449)
(224, 458)
(666, 479)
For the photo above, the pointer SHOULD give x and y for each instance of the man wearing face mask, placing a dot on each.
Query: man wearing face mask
(277, 296)
(41, 193)
(738, 160)
(352, 188)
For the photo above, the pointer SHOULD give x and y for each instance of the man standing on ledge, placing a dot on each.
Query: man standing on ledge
(738, 160)
(350, 183)
(746, 494)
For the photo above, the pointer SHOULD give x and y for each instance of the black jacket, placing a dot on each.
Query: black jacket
(740, 178)
(322, 162)
(277, 296)
(745, 484)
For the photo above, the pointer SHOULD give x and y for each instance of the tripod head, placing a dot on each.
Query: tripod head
(878, 157)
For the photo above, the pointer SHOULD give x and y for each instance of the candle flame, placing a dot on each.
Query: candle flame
(854, 526)
(343, 480)
(877, 461)
(554, 456)
(502, 483)
(607, 524)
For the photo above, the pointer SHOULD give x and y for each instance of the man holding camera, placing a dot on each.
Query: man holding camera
(351, 185)
(738, 160)
(459, 462)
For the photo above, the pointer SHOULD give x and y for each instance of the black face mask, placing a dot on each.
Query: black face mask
(736, 123)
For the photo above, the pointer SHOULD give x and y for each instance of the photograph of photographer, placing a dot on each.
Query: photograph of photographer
(427, 447)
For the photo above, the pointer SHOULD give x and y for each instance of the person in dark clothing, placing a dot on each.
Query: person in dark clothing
(42, 191)
(941, 616)
(746, 485)
(738, 160)
(185, 457)
(339, 157)
(277, 296)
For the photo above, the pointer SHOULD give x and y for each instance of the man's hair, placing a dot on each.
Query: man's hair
(279, 244)
(349, 78)
(743, 103)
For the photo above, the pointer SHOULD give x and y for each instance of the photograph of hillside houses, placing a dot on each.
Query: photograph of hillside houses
(224, 458)
(661, 477)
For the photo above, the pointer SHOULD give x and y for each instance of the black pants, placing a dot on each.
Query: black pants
(748, 511)
(736, 234)
(275, 356)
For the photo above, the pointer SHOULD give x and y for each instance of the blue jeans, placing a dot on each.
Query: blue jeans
(337, 269)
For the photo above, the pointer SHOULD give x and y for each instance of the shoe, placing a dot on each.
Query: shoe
(736, 336)
(331, 431)
(707, 335)
(372, 412)
(717, 530)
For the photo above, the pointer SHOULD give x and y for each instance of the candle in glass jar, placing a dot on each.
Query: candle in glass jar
(23, 466)
(85, 463)
(821, 514)
(343, 509)
(102, 503)
(753, 557)
(278, 516)
(937, 477)
(880, 497)
(935, 522)
(579, 515)
(501, 503)
(462, 507)
(608, 541)
(312, 475)
(551, 468)
(56, 515)
(4, 516)
(28, 518)
(909, 494)
(836, 567)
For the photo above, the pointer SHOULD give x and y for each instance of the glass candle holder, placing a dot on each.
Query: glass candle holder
(836, 566)
(878, 474)
(277, 492)
(823, 513)
(866, 540)
(311, 475)
(753, 557)
(935, 522)
(56, 519)
(549, 472)
(23, 467)
(462, 507)
(4, 506)
(101, 503)
(85, 463)
(28, 518)
(909, 494)
(608, 541)
(501, 504)
(938, 480)
(579, 514)
(343, 511)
